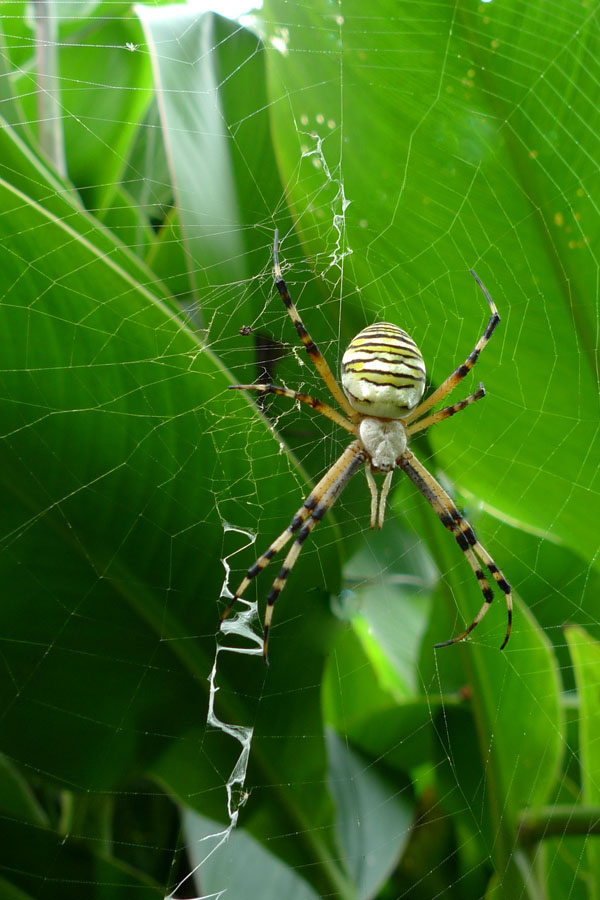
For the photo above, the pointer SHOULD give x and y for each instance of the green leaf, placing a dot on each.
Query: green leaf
(393, 153)
(374, 819)
(585, 653)
(457, 176)
(146, 176)
(43, 862)
(128, 223)
(515, 698)
(138, 435)
(244, 869)
(10, 892)
(16, 797)
(369, 713)
(101, 123)
(209, 77)
(24, 171)
(9, 105)
(389, 581)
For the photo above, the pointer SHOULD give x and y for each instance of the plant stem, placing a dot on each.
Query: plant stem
(50, 131)
(557, 821)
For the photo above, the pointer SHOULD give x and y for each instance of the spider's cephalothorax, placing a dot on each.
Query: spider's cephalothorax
(383, 380)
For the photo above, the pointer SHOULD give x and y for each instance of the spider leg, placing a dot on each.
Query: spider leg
(319, 361)
(459, 373)
(316, 404)
(465, 537)
(446, 412)
(324, 504)
(301, 515)
(320, 490)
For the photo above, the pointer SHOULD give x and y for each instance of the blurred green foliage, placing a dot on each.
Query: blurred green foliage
(393, 153)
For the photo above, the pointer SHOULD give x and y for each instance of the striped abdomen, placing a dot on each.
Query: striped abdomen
(383, 373)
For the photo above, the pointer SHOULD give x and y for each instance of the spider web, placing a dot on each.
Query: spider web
(148, 155)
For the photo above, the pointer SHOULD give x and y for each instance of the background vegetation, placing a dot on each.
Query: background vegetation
(146, 157)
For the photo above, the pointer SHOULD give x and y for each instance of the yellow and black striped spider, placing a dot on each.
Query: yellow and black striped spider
(383, 380)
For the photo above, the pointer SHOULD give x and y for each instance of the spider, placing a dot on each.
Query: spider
(383, 381)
